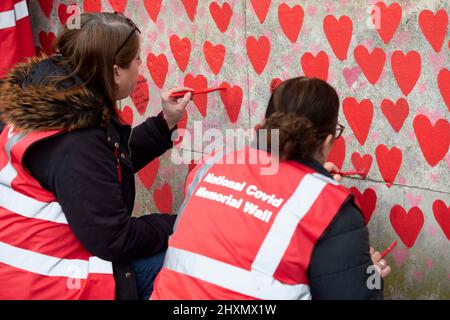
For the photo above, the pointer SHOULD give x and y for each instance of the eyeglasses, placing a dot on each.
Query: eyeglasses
(132, 24)
(338, 131)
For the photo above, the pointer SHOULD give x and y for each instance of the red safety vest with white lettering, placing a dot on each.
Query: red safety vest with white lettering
(245, 235)
(40, 257)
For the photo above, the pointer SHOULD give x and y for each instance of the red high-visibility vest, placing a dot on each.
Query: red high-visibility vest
(244, 235)
(40, 257)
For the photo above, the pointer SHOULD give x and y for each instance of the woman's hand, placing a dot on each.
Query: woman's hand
(330, 166)
(380, 264)
(173, 108)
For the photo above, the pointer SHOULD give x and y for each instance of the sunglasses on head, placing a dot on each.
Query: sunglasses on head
(131, 24)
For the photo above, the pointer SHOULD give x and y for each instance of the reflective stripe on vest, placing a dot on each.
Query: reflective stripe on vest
(41, 264)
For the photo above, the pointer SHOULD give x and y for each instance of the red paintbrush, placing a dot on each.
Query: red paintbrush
(180, 94)
(349, 173)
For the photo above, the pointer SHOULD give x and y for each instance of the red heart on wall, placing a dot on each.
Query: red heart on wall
(444, 86)
(337, 154)
(434, 27)
(367, 201)
(261, 8)
(315, 67)
(46, 40)
(63, 15)
(407, 225)
(389, 162)
(126, 115)
(140, 95)
(46, 7)
(362, 163)
(442, 216)
(163, 199)
(396, 113)
(389, 19)
(221, 15)
(153, 7)
(258, 52)
(406, 69)
(158, 67)
(181, 50)
(339, 34)
(291, 20)
(198, 82)
(148, 173)
(232, 100)
(434, 140)
(359, 116)
(214, 56)
(191, 8)
(118, 5)
(371, 64)
(274, 83)
(92, 6)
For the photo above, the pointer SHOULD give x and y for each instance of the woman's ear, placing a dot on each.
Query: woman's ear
(327, 145)
(117, 74)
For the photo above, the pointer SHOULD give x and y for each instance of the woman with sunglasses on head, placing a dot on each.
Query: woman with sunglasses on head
(306, 240)
(67, 165)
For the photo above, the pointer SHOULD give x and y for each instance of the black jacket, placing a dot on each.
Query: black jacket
(80, 167)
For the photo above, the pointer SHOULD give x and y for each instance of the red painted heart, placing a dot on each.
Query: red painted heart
(126, 115)
(153, 8)
(434, 27)
(258, 52)
(198, 82)
(261, 8)
(214, 56)
(386, 20)
(367, 201)
(442, 216)
(140, 95)
(181, 50)
(118, 5)
(389, 162)
(163, 199)
(46, 7)
(359, 116)
(339, 34)
(158, 67)
(63, 15)
(191, 8)
(444, 86)
(147, 174)
(362, 163)
(221, 15)
(337, 154)
(291, 20)
(434, 140)
(46, 40)
(396, 113)
(274, 83)
(315, 67)
(93, 6)
(371, 64)
(407, 225)
(406, 69)
(232, 100)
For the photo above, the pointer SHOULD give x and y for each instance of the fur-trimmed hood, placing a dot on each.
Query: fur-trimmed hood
(30, 102)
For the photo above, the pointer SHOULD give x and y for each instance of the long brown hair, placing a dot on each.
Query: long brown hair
(305, 112)
(90, 51)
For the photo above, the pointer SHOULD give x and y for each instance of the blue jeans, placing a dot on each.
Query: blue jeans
(145, 271)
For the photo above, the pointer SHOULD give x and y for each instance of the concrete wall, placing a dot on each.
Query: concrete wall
(395, 107)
